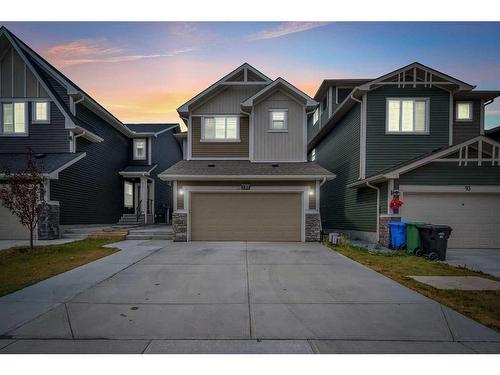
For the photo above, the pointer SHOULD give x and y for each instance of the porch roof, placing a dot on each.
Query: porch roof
(137, 170)
(49, 164)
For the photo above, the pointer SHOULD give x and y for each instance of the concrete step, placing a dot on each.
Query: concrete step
(149, 237)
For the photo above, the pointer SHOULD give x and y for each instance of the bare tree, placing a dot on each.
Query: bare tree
(23, 193)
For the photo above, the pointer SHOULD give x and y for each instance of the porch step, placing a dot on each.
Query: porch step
(131, 219)
(151, 232)
(147, 237)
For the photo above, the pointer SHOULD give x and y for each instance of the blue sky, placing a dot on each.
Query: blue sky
(144, 71)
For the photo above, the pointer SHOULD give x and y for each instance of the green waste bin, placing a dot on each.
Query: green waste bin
(412, 236)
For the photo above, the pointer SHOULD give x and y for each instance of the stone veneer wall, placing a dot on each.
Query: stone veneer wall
(48, 223)
(179, 224)
(313, 227)
(384, 234)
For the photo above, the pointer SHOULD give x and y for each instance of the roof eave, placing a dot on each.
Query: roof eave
(173, 177)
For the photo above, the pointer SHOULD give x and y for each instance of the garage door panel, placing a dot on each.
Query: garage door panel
(246, 216)
(474, 217)
(10, 227)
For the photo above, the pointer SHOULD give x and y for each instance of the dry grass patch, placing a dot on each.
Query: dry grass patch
(482, 306)
(21, 266)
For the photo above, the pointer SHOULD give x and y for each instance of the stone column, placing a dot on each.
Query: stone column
(179, 225)
(313, 227)
(48, 223)
(384, 233)
(144, 197)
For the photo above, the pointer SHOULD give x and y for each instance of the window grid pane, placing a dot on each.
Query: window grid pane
(140, 149)
(407, 116)
(278, 119)
(464, 111)
(19, 118)
(220, 128)
(394, 112)
(209, 127)
(420, 116)
(8, 118)
(41, 111)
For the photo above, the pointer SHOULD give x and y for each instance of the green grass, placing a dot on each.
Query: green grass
(482, 306)
(21, 266)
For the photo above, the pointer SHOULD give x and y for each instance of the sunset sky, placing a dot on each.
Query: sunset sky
(142, 72)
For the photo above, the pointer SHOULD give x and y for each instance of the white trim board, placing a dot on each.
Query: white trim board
(468, 189)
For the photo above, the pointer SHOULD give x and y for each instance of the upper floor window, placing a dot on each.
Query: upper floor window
(220, 128)
(312, 155)
(324, 104)
(41, 112)
(139, 149)
(464, 111)
(407, 116)
(316, 116)
(278, 120)
(13, 117)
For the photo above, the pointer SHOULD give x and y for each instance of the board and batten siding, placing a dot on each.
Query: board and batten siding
(387, 150)
(465, 130)
(201, 149)
(342, 207)
(279, 146)
(311, 184)
(227, 101)
(91, 190)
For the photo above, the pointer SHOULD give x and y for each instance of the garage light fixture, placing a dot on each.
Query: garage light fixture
(311, 192)
(181, 192)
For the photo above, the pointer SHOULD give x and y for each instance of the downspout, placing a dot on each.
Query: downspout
(378, 208)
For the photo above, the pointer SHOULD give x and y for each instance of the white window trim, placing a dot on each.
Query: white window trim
(315, 113)
(427, 117)
(33, 112)
(145, 149)
(26, 119)
(218, 140)
(285, 129)
(471, 109)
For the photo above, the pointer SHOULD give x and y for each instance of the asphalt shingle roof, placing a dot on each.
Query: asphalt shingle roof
(244, 168)
(149, 128)
(139, 168)
(48, 163)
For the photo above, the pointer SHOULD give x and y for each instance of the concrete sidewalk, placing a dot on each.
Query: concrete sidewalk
(484, 260)
(237, 297)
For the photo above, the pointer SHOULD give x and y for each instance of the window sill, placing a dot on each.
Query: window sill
(40, 122)
(220, 140)
(139, 159)
(277, 131)
(464, 120)
(407, 133)
(14, 135)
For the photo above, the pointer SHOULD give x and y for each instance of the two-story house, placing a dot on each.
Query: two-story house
(245, 174)
(97, 168)
(415, 133)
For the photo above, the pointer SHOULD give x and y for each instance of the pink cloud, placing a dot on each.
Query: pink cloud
(286, 28)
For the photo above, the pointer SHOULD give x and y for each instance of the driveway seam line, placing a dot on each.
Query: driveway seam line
(468, 347)
(9, 344)
(147, 346)
(447, 323)
(248, 292)
(69, 321)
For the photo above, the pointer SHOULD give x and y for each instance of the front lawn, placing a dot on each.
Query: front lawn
(20, 266)
(482, 306)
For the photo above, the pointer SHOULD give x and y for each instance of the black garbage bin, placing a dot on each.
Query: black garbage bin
(434, 240)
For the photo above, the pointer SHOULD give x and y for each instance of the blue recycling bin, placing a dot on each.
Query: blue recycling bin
(398, 234)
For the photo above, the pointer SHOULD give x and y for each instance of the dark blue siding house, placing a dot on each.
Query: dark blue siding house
(99, 170)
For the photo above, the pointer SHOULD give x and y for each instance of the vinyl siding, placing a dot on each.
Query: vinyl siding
(91, 190)
(219, 149)
(165, 152)
(343, 207)
(448, 173)
(47, 138)
(227, 101)
(464, 130)
(283, 146)
(311, 184)
(386, 150)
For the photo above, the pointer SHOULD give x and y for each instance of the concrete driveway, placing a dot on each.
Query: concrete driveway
(237, 297)
(484, 260)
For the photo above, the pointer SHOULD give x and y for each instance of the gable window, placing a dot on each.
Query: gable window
(128, 198)
(41, 112)
(13, 117)
(278, 120)
(407, 116)
(464, 111)
(315, 116)
(220, 129)
(139, 149)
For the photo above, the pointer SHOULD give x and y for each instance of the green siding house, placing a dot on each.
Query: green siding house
(416, 133)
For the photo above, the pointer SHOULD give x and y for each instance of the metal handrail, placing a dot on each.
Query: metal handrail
(138, 211)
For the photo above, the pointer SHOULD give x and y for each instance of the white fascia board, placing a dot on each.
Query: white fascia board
(54, 175)
(167, 177)
(92, 137)
(166, 130)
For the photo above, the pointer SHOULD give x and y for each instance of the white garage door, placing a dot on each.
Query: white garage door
(10, 227)
(474, 217)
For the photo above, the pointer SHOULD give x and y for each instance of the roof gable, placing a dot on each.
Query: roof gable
(245, 74)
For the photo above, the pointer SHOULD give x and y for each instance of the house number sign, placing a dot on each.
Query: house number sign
(245, 186)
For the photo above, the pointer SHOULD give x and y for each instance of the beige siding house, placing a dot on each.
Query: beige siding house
(245, 174)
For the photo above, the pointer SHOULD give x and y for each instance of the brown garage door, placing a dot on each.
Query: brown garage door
(246, 216)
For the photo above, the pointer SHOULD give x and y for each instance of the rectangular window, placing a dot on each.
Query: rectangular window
(220, 128)
(407, 116)
(13, 119)
(464, 111)
(316, 116)
(128, 198)
(139, 149)
(278, 120)
(41, 112)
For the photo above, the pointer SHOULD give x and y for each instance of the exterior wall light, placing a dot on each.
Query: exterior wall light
(311, 192)
(181, 192)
